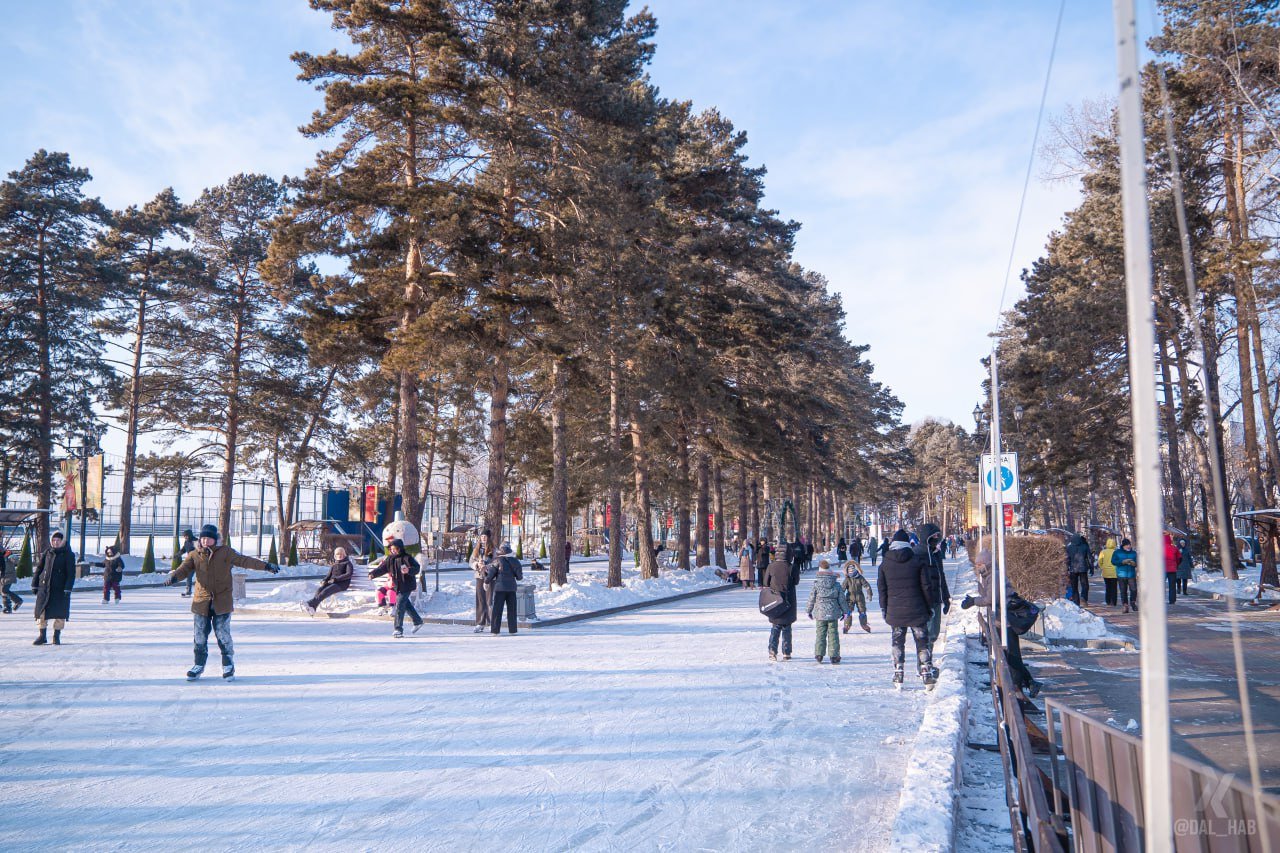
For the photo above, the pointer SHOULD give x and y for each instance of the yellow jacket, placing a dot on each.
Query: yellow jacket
(1104, 559)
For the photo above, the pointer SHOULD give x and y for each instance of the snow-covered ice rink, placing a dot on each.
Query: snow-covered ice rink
(659, 729)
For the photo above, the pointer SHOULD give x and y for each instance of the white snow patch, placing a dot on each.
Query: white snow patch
(1245, 587)
(1065, 620)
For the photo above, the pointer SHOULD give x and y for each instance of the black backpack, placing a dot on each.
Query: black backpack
(1022, 613)
(771, 602)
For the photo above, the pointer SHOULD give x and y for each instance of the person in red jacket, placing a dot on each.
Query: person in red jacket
(1171, 560)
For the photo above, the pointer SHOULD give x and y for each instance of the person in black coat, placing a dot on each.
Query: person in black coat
(403, 570)
(503, 572)
(112, 574)
(842, 550)
(762, 560)
(188, 545)
(782, 576)
(930, 552)
(855, 550)
(338, 580)
(904, 589)
(52, 583)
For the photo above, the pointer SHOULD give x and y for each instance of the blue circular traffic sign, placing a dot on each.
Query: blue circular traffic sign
(1006, 478)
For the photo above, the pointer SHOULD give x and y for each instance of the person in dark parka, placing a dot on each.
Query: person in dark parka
(502, 574)
(52, 583)
(762, 560)
(904, 589)
(842, 550)
(1079, 567)
(782, 576)
(855, 550)
(930, 552)
(403, 571)
(337, 580)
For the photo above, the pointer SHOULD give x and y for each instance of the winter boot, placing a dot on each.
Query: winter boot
(836, 659)
(897, 678)
(57, 638)
(818, 658)
(41, 640)
(228, 670)
(786, 657)
(195, 672)
(929, 677)
(773, 656)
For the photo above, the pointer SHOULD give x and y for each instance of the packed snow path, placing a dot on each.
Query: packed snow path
(664, 728)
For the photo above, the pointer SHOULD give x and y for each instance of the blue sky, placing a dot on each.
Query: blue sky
(896, 133)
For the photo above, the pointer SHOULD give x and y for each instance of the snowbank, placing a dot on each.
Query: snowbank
(1065, 620)
(1245, 587)
(457, 600)
(926, 819)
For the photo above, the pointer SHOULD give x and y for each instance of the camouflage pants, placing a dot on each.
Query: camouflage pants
(924, 655)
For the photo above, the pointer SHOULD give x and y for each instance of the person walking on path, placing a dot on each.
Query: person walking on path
(8, 577)
(112, 574)
(842, 550)
(1022, 678)
(746, 566)
(855, 550)
(929, 552)
(856, 590)
(1171, 560)
(188, 545)
(337, 580)
(762, 560)
(827, 604)
(1125, 559)
(480, 558)
(1079, 567)
(782, 576)
(402, 569)
(873, 550)
(1185, 563)
(904, 589)
(1108, 569)
(884, 549)
(52, 583)
(211, 603)
(502, 575)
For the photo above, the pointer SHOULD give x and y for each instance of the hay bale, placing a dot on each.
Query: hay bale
(1037, 566)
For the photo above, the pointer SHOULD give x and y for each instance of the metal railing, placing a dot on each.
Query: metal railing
(1098, 770)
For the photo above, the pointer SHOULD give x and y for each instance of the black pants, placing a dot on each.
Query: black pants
(1013, 655)
(1184, 586)
(1110, 593)
(924, 654)
(1080, 586)
(1129, 592)
(776, 633)
(1171, 581)
(11, 598)
(503, 599)
(324, 592)
(403, 606)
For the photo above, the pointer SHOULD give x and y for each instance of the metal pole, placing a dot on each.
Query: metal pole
(1156, 789)
(177, 510)
(262, 509)
(998, 488)
(84, 497)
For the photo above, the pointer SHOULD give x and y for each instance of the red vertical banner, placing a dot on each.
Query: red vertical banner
(671, 520)
(515, 512)
(371, 503)
(1008, 515)
(711, 521)
(608, 515)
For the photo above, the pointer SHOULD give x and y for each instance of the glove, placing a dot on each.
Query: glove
(946, 606)
(273, 568)
(967, 603)
(810, 615)
(168, 580)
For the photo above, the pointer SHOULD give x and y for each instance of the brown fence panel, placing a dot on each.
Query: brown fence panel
(1213, 812)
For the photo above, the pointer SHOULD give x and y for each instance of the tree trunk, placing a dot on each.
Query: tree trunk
(393, 459)
(433, 442)
(615, 472)
(131, 427)
(703, 511)
(644, 512)
(682, 503)
(768, 509)
(718, 508)
(1177, 488)
(559, 572)
(744, 532)
(233, 422)
(499, 389)
(755, 510)
(1268, 411)
(44, 405)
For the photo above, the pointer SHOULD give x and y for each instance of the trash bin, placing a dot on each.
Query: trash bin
(82, 570)
(525, 608)
(237, 587)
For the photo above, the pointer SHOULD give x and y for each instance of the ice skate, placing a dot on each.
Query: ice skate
(930, 678)
(835, 660)
(397, 634)
(786, 657)
(195, 672)
(897, 678)
(773, 656)
(229, 672)
(311, 609)
(818, 658)
(418, 627)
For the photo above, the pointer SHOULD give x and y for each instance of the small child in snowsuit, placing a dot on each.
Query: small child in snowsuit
(827, 603)
(386, 598)
(857, 590)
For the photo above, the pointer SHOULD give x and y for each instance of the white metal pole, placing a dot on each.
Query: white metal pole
(1156, 790)
(998, 488)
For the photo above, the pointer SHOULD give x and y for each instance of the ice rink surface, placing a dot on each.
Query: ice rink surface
(659, 729)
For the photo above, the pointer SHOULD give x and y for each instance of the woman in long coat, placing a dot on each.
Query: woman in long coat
(52, 584)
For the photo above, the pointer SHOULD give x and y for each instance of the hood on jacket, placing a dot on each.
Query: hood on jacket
(900, 552)
(928, 532)
(852, 570)
(1079, 541)
(1111, 542)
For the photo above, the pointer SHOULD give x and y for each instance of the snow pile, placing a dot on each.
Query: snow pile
(1245, 587)
(926, 818)
(1064, 620)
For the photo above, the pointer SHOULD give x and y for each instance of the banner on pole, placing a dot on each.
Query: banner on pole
(371, 503)
(974, 511)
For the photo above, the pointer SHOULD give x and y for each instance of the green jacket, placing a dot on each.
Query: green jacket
(857, 589)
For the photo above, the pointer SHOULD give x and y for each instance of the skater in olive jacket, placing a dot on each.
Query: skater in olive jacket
(212, 602)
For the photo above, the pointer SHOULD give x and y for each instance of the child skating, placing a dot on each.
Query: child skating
(857, 590)
(827, 603)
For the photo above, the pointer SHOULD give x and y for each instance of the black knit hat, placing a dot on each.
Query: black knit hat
(901, 536)
(210, 531)
(396, 543)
